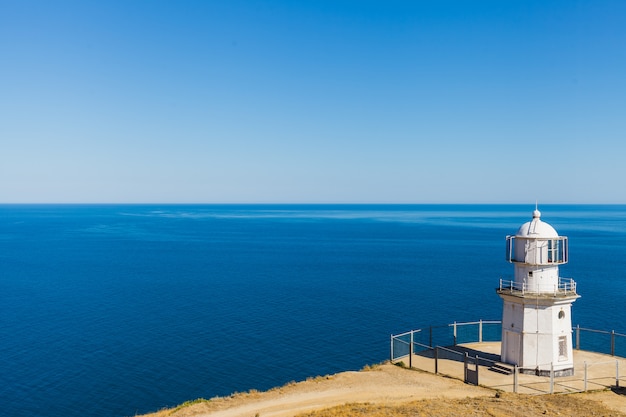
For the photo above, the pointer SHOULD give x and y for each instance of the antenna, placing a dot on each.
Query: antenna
(536, 213)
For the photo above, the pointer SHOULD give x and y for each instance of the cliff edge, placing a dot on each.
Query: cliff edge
(385, 389)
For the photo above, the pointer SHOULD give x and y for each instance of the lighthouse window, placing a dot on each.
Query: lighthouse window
(550, 251)
(561, 314)
(563, 348)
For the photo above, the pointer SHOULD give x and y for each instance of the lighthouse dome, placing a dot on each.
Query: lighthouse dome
(536, 228)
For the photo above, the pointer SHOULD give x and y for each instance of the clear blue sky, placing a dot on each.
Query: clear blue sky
(313, 101)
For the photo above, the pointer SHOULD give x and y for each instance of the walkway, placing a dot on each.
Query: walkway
(592, 371)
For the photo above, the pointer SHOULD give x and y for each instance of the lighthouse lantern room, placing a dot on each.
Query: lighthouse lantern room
(536, 313)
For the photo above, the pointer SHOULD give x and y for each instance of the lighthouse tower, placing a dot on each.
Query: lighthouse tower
(537, 303)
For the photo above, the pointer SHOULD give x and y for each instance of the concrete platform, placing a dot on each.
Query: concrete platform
(592, 371)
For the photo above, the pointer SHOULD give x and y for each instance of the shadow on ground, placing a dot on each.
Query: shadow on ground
(457, 353)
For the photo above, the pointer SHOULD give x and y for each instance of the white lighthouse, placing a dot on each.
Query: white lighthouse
(537, 303)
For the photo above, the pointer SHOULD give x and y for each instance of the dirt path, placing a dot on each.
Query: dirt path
(384, 384)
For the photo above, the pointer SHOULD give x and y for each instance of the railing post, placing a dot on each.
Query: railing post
(465, 367)
(480, 331)
(454, 332)
(515, 372)
(612, 342)
(617, 374)
(391, 349)
(436, 360)
(551, 377)
(476, 370)
(411, 352)
(578, 337)
(585, 375)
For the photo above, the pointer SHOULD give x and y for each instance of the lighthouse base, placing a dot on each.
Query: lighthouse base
(546, 372)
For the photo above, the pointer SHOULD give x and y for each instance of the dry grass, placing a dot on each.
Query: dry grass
(502, 405)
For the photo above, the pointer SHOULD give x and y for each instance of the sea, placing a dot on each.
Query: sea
(118, 310)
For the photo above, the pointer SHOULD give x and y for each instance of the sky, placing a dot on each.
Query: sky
(235, 101)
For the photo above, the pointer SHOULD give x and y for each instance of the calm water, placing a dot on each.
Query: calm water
(117, 310)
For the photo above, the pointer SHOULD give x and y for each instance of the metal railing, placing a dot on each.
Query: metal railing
(476, 331)
(440, 349)
(565, 286)
(429, 338)
(601, 341)
(445, 335)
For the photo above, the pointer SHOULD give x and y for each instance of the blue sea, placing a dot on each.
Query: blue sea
(113, 310)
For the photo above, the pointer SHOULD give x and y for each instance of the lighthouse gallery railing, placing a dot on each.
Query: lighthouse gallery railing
(565, 286)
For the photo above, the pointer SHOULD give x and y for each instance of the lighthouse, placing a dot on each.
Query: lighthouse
(537, 303)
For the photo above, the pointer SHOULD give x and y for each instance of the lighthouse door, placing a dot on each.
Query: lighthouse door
(512, 348)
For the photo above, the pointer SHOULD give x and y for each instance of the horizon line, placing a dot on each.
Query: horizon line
(301, 203)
